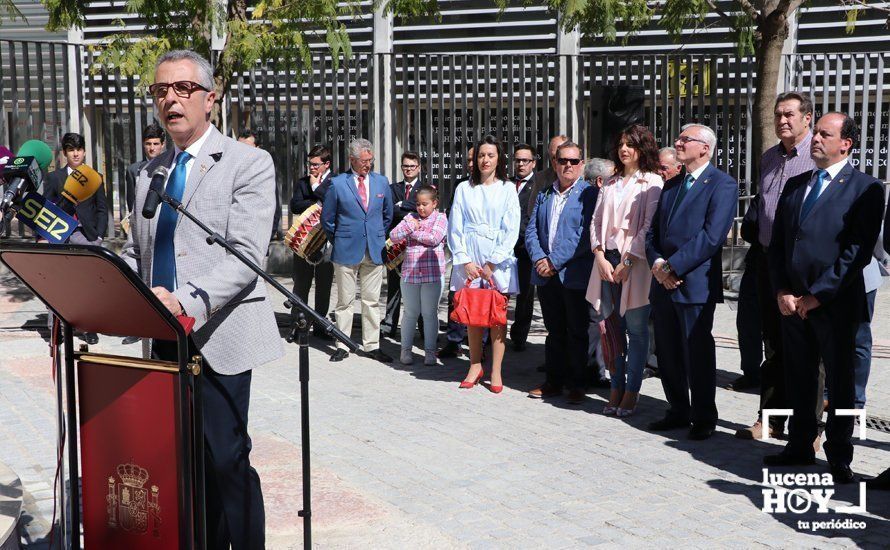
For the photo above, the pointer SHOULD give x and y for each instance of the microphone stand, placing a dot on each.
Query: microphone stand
(300, 332)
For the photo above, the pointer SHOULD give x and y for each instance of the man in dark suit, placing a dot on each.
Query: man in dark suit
(824, 234)
(92, 213)
(356, 212)
(309, 190)
(404, 201)
(524, 162)
(456, 332)
(684, 246)
(153, 137)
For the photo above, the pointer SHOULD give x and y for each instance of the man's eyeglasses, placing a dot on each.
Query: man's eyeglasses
(687, 139)
(564, 161)
(410, 166)
(364, 161)
(316, 164)
(523, 161)
(182, 88)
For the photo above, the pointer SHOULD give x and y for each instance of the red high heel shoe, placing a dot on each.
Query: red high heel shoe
(495, 389)
(467, 385)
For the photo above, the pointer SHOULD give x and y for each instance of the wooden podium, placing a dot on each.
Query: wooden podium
(140, 423)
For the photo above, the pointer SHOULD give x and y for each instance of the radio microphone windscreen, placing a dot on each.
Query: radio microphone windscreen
(82, 183)
(39, 150)
(153, 198)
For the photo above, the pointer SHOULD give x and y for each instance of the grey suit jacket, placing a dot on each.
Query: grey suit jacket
(231, 188)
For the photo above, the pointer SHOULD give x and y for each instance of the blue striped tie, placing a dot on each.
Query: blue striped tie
(163, 267)
(815, 192)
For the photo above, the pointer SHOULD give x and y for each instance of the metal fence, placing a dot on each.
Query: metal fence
(437, 105)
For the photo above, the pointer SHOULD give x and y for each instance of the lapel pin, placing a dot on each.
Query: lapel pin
(203, 168)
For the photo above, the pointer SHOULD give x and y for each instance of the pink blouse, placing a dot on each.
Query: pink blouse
(623, 219)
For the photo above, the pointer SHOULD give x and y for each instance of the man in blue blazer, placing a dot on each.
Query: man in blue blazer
(558, 242)
(826, 226)
(684, 246)
(356, 213)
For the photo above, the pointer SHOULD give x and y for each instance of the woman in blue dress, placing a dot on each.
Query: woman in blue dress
(483, 228)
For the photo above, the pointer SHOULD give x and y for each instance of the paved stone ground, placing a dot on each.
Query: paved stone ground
(401, 458)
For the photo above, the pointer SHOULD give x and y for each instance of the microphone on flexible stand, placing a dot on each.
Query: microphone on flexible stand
(155, 190)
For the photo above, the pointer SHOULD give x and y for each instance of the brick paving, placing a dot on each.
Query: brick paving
(402, 458)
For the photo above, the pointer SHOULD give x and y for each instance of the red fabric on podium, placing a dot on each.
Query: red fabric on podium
(130, 457)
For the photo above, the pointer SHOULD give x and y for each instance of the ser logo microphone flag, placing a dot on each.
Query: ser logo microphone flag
(46, 219)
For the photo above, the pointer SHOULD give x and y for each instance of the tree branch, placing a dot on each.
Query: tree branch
(723, 15)
(748, 8)
(865, 4)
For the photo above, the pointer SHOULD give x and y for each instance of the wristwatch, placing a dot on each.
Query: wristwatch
(628, 262)
(666, 267)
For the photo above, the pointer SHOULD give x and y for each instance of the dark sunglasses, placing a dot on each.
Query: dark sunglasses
(182, 88)
(564, 161)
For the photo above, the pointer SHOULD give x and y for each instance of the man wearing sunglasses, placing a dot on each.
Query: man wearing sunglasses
(684, 247)
(230, 186)
(558, 242)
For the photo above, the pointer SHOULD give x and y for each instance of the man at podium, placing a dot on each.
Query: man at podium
(231, 188)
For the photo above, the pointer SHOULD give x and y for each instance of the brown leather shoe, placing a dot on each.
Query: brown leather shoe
(544, 390)
(756, 432)
(576, 397)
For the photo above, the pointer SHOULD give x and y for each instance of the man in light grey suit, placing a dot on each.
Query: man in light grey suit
(231, 188)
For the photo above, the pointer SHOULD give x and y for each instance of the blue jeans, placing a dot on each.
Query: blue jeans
(421, 299)
(628, 374)
(629, 367)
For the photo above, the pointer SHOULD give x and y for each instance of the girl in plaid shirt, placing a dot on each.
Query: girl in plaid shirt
(422, 271)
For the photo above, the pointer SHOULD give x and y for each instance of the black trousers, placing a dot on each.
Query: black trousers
(566, 318)
(829, 335)
(525, 300)
(747, 320)
(234, 499)
(393, 301)
(323, 273)
(687, 358)
(772, 373)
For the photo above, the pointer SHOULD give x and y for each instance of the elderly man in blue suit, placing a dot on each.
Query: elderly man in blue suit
(684, 247)
(558, 242)
(356, 212)
(825, 231)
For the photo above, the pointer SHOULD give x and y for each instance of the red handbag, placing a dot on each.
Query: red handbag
(479, 307)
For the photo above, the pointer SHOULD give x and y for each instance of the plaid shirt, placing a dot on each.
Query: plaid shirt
(777, 166)
(425, 254)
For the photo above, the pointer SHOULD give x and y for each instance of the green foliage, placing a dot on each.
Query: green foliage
(277, 32)
(604, 17)
(745, 34)
(8, 10)
(852, 15)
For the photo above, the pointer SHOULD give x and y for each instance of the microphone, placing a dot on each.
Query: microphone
(81, 184)
(24, 172)
(155, 190)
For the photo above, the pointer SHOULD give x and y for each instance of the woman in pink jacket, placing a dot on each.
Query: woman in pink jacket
(621, 276)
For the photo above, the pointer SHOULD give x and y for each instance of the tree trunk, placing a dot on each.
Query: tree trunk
(772, 30)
